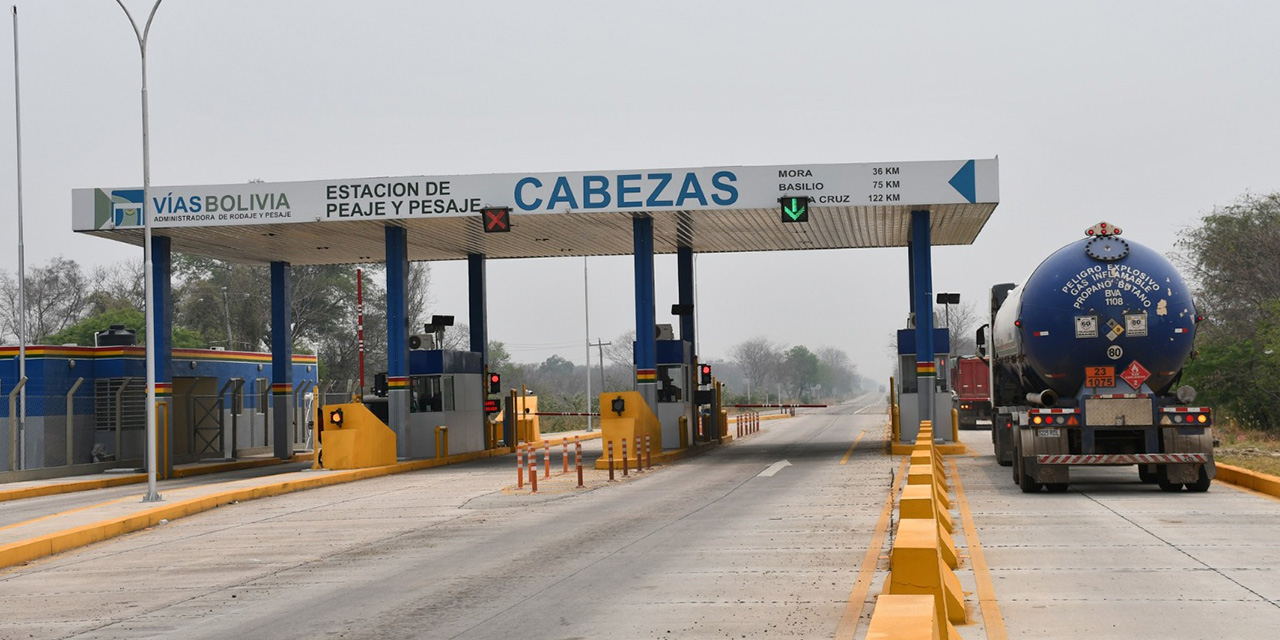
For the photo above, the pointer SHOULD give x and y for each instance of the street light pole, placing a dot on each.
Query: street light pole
(22, 267)
(152, 494)
(586, 305)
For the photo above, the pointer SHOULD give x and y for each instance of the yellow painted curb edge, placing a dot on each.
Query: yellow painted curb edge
(7, 495)
(70, 487)
(49, 544)
(1260, 482)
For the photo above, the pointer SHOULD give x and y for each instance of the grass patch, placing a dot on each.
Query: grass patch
(1249, 449)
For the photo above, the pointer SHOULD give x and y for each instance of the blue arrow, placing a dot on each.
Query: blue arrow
(963, 181)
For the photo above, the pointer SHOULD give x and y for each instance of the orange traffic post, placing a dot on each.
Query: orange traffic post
(577, 454)
(519, 467)
(564, 457)
(610, 443)
(546, 458)
(624, 457)
(533, 470)
(648, 452)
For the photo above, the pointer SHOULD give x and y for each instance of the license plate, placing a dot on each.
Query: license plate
(1048, 433)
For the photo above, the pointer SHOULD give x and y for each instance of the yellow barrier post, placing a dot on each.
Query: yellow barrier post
(955, 426)
(916, 567)
(442, 441)
(903, 617)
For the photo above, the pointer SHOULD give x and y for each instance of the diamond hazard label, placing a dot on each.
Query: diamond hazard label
(1135, 374)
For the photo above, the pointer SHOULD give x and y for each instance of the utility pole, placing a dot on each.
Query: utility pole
(600, 345)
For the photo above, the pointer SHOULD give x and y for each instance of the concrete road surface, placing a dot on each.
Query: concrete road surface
(1117, 559)
(760, 538)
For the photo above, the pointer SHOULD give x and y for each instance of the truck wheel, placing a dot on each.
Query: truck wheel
(1028, 484)
(1202, 483)
(1145, 475)
(997, 431)
(1056, 487)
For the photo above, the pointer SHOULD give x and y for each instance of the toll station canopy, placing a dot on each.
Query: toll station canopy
(708, 210)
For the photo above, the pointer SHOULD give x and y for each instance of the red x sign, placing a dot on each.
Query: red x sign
(496, 219)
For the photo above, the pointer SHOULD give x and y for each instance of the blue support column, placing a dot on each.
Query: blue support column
(911, 275)
(162, 297)
(646, 339)
(688, 329)
(684, 269)
(281, 361)
(478, 304)
(922, 296)
(398, 337)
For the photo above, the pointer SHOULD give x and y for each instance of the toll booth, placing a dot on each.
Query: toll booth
(909, 384)
(219, 406)
(446, 389)
(676, 385)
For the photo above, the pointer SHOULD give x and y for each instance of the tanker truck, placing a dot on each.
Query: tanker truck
(1086, 358)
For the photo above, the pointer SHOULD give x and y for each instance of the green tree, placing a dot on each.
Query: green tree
(82, 333)
(1234, 269)
(801, 370)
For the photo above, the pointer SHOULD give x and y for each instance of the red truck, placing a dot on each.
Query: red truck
(970, 378)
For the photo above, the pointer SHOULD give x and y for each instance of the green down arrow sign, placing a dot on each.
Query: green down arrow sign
(795, 209)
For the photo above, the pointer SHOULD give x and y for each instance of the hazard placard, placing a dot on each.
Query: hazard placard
(1099, 377)
(1135, 374)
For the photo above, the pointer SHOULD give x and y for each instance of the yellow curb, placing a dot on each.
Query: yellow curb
(1260, 482)
(70, 487)
(48, 544)
(135, 478)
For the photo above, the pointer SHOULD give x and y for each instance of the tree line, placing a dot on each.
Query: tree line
(218, 304)
(1231, 260)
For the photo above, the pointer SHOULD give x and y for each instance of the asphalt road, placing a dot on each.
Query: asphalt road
(759, 538)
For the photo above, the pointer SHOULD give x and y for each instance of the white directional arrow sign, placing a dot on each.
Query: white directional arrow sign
(774, 468)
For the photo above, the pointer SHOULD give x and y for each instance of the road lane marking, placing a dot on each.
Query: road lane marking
(991, 618)
(852, 447)
(852, 617)
(773, 468)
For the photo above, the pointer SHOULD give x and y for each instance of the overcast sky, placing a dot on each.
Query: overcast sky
(1143, 114)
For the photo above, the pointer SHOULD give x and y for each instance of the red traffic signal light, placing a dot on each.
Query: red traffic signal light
(495, 383)
(704, 373)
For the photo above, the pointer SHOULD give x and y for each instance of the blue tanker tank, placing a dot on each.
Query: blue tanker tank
(1085, 353)
(1103, 301)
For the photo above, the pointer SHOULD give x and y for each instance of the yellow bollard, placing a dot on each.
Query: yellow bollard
(442, 441)
(903, 617)
(916, 567)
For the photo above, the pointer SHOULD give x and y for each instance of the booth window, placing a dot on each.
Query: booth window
(670, 382)
(264, 395)
(430, 394)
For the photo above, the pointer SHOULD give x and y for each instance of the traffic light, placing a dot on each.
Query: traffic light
(495, 383)
(496, 219)
(704, 374)
(795, 208)
(335, 417)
